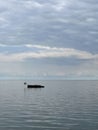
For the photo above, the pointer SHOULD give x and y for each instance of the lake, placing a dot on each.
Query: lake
(61, 105)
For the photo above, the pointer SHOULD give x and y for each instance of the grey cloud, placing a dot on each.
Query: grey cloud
(59, 23)
(56, 23)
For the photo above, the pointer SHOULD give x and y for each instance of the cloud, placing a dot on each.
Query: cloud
(60, 5)
(39, 51)
(52, 37)
(60, 23)
(33, 4)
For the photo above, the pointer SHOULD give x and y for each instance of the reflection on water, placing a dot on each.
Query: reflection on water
(61, 105)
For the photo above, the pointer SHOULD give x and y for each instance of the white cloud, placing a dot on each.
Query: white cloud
(32, 4)
(46, 52)
(60, 5)
(3, 45)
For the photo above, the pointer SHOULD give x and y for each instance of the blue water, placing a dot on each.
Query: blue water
(61, 105)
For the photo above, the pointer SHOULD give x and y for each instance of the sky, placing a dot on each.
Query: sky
(49, 39)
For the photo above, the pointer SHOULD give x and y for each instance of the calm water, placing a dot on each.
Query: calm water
(61, 105)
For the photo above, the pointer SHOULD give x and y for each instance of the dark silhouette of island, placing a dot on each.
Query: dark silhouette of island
(33, 85)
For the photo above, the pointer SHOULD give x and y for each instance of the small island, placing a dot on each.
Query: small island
(35, 86)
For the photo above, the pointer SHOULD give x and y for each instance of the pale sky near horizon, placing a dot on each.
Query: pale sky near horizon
(53, 38)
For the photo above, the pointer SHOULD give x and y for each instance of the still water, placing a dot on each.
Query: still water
(61, 105)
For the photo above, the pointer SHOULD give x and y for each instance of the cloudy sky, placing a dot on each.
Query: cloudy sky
(50, 39)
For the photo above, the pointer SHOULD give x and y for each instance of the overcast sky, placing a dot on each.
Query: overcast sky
(53, 38)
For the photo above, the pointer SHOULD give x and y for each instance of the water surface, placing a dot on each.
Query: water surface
(61, 105)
